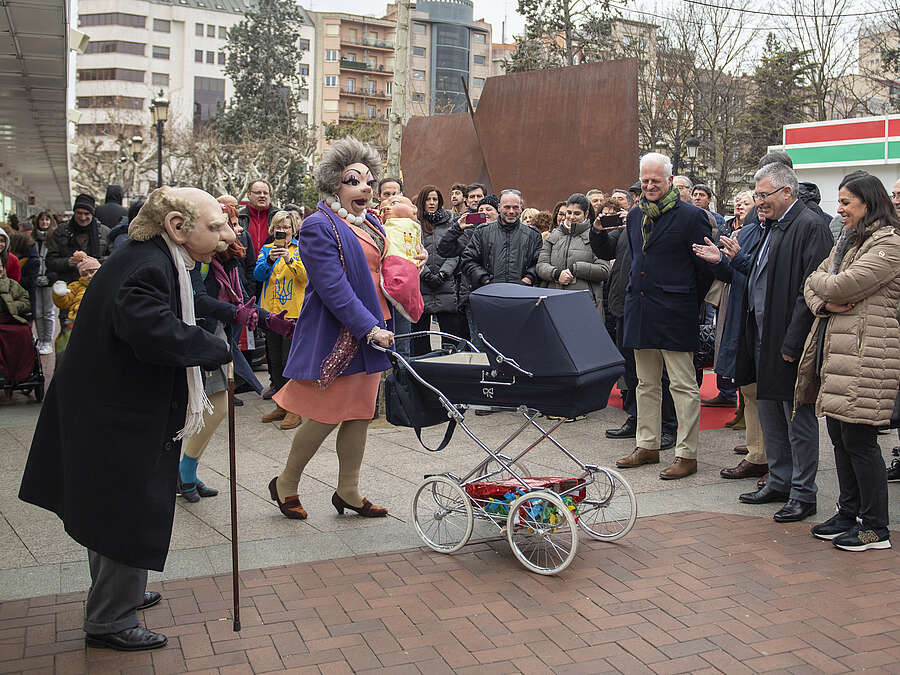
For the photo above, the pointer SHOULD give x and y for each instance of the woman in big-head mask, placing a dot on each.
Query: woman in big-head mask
(333, 369)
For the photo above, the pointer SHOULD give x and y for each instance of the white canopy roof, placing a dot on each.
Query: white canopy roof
(33, 80)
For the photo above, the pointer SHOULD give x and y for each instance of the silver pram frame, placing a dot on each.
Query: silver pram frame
(539, 516)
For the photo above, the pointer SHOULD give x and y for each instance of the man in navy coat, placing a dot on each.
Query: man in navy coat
(662, 313)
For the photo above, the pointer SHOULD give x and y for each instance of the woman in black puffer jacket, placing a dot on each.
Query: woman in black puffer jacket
(438, 277)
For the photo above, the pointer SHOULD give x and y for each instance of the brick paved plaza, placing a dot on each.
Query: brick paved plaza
(686, 592)
(702, 583)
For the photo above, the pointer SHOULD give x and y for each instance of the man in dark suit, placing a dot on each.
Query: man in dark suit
(777, 321)
(105, 451)
(662, 310)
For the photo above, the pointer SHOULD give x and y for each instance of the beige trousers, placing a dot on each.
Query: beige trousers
(755, 443)
(685, 394)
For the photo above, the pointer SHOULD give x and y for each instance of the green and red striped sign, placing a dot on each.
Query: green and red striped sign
(868, 140)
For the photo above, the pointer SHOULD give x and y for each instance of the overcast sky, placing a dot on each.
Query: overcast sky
(493, 11)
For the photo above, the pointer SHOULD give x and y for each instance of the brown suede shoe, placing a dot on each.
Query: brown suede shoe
(680, 468)
(745, 469)
(741, 450)
(639, 457)
(275, 415)
(290, 421)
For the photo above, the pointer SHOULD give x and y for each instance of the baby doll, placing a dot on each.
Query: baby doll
(399, 272)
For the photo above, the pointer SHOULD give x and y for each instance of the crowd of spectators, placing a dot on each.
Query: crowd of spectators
(761, 290)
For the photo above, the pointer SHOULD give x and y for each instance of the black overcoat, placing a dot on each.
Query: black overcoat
(103, 456)
(668, 282)
(799, 243)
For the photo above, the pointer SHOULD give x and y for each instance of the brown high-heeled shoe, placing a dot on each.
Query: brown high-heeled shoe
(367, 510)
(291, 507)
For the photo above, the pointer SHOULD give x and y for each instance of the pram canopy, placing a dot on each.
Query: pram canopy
(547, 331)
(558, 336)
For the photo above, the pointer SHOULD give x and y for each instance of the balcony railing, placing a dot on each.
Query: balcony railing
(364, 93)
(373, 44)
(360, 65)
(353, 117)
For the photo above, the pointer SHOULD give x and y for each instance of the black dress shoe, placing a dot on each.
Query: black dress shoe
(666, 442)
(150, 598)
(135, 639)
(794, 511)
(269, 393)
(627, 430)
(765, 495)
(238, 402)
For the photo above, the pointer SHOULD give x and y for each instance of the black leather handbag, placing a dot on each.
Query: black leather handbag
(408, 404)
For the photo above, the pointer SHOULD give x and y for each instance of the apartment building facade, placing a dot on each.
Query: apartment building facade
(139, 48)
(355, 70)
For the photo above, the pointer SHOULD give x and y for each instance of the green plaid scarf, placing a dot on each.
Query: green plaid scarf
(653, 210)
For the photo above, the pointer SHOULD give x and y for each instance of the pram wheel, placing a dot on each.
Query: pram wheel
(541, 532)
(442, 513)
(609, 510)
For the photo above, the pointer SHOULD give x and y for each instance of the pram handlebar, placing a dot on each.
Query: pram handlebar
(395, 357)
(419, 333)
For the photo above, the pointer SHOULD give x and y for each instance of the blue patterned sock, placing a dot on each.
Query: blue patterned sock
(188, 469)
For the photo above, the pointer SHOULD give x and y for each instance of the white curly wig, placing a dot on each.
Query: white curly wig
(338, 157)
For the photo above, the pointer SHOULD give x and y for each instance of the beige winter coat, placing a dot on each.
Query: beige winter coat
(570, 248)
(861, 355)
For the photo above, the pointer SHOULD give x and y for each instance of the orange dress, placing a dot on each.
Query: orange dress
(349, 397)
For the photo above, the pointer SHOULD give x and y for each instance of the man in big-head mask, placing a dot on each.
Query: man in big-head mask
(105, 451)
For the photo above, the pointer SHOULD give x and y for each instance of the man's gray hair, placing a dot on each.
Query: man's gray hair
(780, 175)
(779, 156)
(690, 183)
(338, 157)
(595, 191)
(657, 158)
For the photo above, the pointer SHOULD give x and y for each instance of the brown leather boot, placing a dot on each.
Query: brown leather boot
(639, 457)
(277, 414)
(738, 417)
(290, 421)
(680, 468)
(745, 470)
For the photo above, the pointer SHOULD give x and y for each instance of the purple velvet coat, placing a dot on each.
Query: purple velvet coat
(334, 299)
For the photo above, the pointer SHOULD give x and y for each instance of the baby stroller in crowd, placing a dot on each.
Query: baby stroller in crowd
(546, 352)
(23, 350)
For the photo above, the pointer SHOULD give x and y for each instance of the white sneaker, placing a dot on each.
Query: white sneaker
(45, 349)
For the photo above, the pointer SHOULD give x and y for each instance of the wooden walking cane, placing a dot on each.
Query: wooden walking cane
(232, 460)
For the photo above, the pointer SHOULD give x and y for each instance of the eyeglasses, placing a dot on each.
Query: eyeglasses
(760, 196)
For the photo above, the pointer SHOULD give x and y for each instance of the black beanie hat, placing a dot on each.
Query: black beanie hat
(492, 200)
(86, 202)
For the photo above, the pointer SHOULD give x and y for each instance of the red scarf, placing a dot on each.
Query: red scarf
(259, 227)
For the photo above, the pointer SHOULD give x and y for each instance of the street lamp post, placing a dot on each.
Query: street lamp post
(692, 144)
(137, 145)
(159, 113)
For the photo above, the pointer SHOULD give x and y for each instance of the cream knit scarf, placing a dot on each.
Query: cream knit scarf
(197, 400)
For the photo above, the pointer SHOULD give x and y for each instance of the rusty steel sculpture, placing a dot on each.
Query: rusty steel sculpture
(548, 133)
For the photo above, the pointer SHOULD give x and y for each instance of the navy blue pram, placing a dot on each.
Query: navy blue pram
(546, 349)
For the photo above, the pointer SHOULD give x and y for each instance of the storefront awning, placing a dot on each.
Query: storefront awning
(33, 81)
